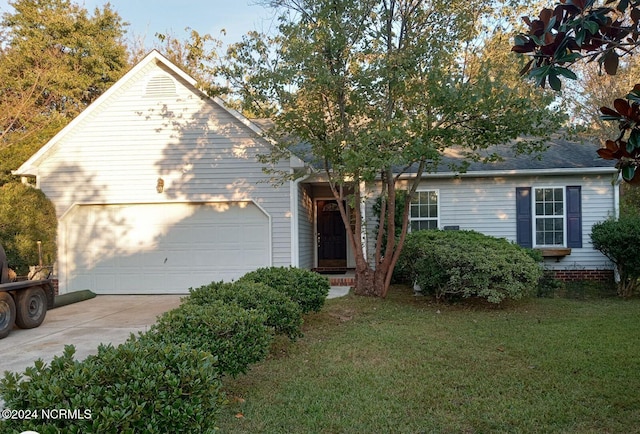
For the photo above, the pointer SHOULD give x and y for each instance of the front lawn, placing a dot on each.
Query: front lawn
(407, 364)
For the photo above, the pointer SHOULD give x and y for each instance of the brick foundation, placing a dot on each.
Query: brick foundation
(590, 275)
(342, 281)
(338, 276)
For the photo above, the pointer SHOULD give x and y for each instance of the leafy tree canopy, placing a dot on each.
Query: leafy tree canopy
(375, 88)
(578, 30)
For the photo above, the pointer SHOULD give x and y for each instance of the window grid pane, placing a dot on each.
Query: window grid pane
(424, 211)
(549, 216)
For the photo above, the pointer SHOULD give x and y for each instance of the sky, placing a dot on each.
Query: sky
(148, 17)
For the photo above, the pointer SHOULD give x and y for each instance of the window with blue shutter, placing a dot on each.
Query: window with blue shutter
(523, 216)
(574, 216)
(543, 221)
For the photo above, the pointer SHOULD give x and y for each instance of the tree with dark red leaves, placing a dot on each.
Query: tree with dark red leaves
(590, 31)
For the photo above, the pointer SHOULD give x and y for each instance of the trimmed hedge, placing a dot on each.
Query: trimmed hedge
(308, 289)
(170, 376)
(283, 315)
(138, 386)
(469, 264)
(236, 336)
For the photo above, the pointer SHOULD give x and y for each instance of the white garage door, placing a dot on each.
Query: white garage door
(161, 248)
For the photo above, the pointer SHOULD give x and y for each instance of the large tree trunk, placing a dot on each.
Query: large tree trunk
(376, 280)
(370, 282)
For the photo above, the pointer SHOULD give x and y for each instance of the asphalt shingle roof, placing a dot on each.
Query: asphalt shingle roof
(561, 153)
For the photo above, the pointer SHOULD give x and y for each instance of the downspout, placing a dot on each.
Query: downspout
(616, 215)
(616, 196)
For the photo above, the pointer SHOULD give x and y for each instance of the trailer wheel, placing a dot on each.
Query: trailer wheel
(31, 307)
(7, 314)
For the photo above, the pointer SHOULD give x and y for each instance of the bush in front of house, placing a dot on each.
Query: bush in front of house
(308, 289)
(135, 387)
(618, 240)
(237, 337)
(283, 315)
(451, 264)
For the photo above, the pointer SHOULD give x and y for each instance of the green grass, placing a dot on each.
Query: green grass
(407, 364)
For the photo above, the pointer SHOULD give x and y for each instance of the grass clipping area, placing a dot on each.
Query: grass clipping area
(408, 364)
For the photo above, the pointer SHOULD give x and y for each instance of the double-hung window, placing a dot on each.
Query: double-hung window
(549, 216)
(424, 210)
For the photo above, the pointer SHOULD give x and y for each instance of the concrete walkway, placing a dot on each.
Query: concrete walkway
(86, 324)
(338, 291)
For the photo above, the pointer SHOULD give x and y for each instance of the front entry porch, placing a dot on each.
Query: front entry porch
(322, 239)
(332, 246)
(331, 237)
(347, 278)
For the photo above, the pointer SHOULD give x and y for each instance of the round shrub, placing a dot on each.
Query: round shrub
(236, 336)
(618, 240)
(283, 315)
(469, 264)
(135, 387)
(308, 289)
(27, 216)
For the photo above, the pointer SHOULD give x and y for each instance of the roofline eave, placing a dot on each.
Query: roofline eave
(319, 177)
(517, 172)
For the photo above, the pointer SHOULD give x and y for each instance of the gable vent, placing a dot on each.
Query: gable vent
(160, 85)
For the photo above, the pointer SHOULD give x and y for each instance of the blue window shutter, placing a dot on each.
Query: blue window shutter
(523, 217)
(574, 216)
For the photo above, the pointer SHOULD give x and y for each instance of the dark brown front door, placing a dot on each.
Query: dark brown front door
(332, 237)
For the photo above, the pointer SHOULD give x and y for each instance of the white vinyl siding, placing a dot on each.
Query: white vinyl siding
(305, 227)
(488, 205)
(149, 128)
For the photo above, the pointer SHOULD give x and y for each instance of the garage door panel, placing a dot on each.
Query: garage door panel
(228, 234)
(84, 280)
(103, 280)
(172, 282)
(162, 248)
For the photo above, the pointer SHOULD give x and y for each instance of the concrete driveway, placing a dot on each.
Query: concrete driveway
(86, 324)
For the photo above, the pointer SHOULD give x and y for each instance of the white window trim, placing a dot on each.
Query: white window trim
(534, 216)
(437, 219)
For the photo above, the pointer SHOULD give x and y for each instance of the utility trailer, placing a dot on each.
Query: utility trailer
(22, 302)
